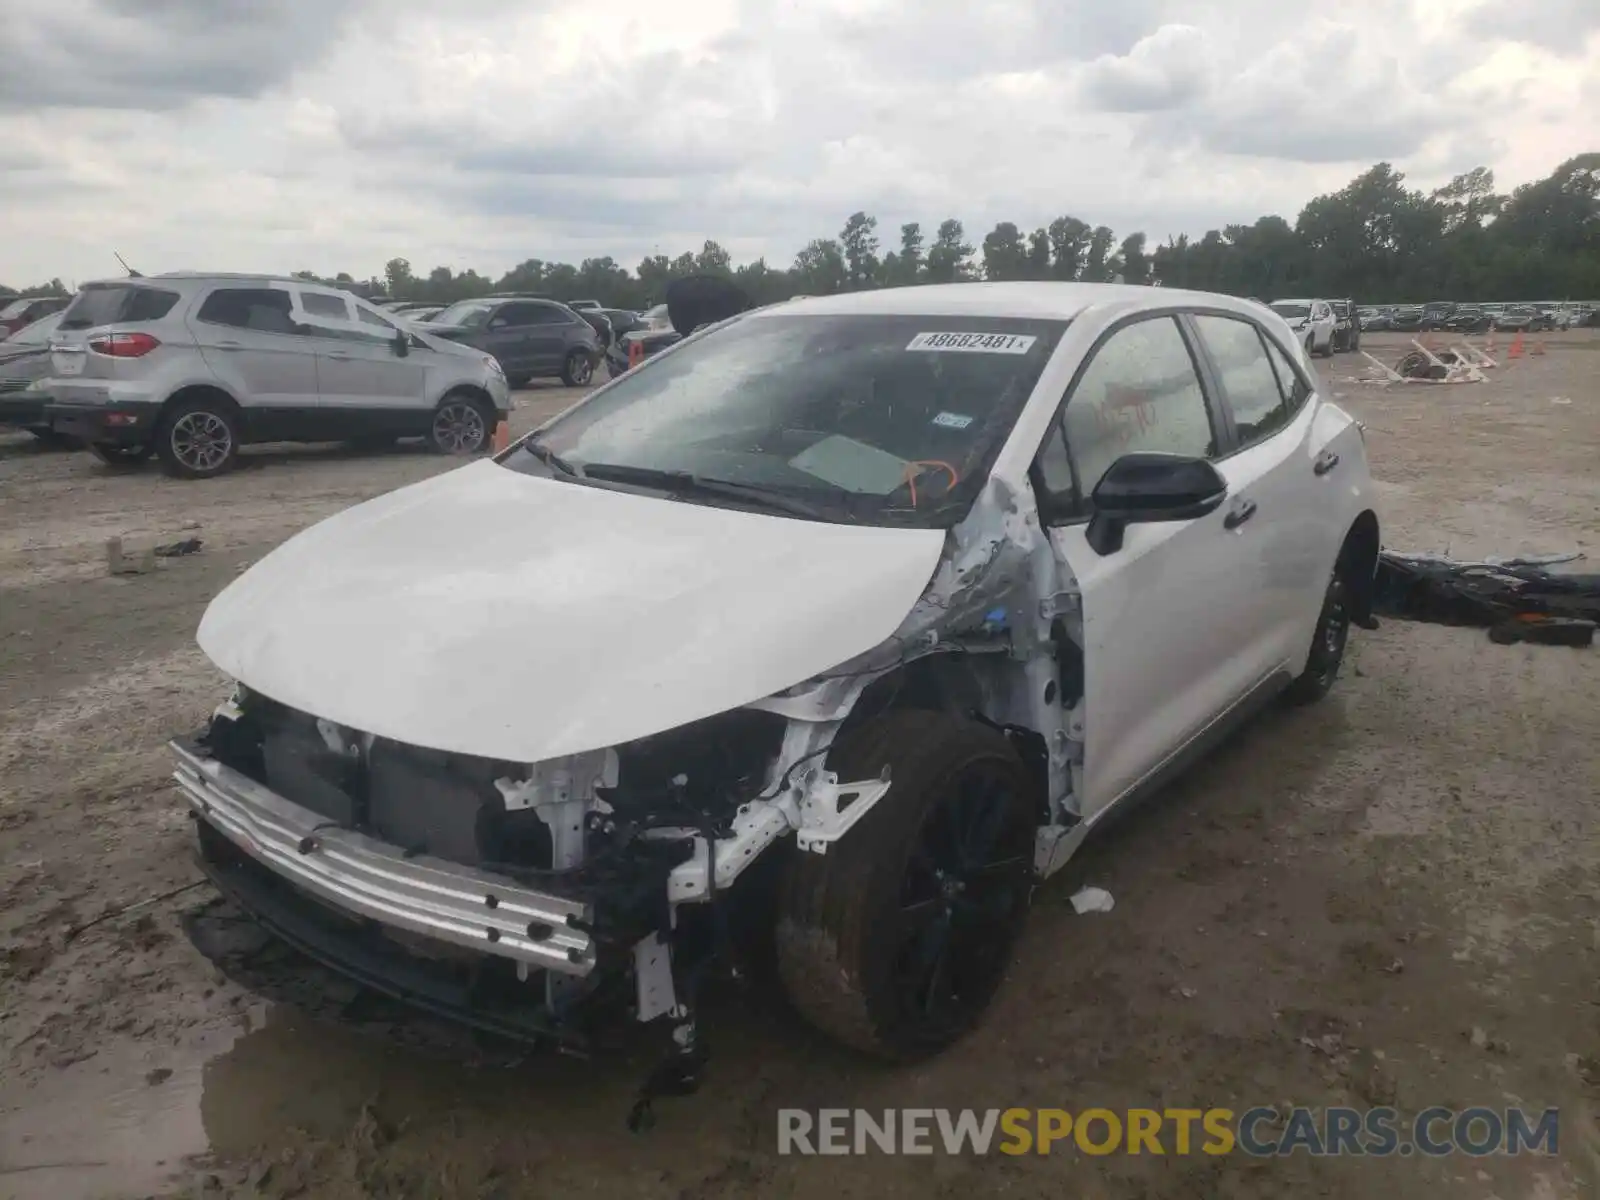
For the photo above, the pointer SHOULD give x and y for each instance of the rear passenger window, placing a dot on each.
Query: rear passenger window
(266, 310)
(1296, 391)
(1248, 379)
(319, 305)
(1140, 392)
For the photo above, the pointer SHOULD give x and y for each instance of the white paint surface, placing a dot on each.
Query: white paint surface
(492, 613)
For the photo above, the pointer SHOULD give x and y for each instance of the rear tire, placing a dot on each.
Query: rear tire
(462, 425)
(578, 370)
(121, 457)
(198, 439)
(1327, 643)
(895, 940)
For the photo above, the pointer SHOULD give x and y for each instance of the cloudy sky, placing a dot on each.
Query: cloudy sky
(335, 134)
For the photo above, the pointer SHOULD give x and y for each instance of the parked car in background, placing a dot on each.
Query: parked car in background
(1468, 318)
(1436, 312)
(583, 305)
(521, 742)
(657, 317)
(419, 312)
(1522, 318)
(1312, 321)
(1346, 326)
(24, 311)
(24, 366)
(650, 341)
(1376, 320)
(1408, 318)
(530, 338)
(192, 366)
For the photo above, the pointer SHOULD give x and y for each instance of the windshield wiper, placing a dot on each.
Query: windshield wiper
(688, 483)
(551, 459)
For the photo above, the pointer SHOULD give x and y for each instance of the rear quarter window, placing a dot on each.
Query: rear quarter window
(122, 304)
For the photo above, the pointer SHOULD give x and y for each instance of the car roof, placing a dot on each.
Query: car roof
(1057, 301)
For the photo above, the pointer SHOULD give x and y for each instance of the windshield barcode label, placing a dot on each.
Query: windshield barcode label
(972, 343)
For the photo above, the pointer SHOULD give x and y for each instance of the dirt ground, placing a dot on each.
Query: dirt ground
(1391, 898)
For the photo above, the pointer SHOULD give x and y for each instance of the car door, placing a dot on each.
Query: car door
(510, 336)
(1293, 532)
(251, 341)
(1165, 651)
(365, 384)
(551, 329)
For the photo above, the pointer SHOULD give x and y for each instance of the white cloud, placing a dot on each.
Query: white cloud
(1170, 67)
(196, 133)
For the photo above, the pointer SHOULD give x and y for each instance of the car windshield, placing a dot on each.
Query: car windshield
(15, 309)
(882, 419)
(464, 314)
(1291, 311)
(38, 333)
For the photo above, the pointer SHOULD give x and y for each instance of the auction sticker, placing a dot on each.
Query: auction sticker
(972, 343)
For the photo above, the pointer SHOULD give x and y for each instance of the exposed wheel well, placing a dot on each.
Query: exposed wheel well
(1359, 558)
(950, 684)
(468, 391)
(200, 392)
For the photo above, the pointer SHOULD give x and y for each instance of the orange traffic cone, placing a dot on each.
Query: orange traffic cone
(635, 353)
(502, 435)
(1516, 346)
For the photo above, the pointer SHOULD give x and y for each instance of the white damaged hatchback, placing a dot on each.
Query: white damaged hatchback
(831, 630)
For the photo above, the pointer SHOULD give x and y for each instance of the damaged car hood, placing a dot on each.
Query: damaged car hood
(503, 615)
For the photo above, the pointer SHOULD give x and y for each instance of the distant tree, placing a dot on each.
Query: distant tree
(859, 243)
(819, 269)
(1132, 259)
(713, 260)
(1069, 239)
(1096, 267)
(950, 257)
(397, 277)
(911, 254)
(1039, 254)
(1004, 255)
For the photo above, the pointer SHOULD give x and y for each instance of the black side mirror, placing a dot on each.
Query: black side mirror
(1146, 487)
(402, 344)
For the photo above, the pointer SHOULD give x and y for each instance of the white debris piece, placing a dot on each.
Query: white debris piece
(1093, 900)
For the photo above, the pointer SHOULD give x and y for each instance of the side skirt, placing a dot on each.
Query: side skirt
(1057, 845)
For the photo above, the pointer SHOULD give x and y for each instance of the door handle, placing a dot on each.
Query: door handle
(230, 346)
(340, 357)
(1326, 461)
(1239, 514)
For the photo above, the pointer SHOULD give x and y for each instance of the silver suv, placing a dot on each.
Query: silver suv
(190, 367)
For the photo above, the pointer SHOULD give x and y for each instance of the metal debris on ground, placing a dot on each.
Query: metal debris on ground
(179, 549)
(1461, 362)
(1517, 600)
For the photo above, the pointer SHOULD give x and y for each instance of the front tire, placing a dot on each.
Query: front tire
(578, 370)
(462, 425)
(1327, 644)
(895, 940)
(198, 439)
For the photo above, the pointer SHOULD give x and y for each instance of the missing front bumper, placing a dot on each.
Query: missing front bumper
(372, 880)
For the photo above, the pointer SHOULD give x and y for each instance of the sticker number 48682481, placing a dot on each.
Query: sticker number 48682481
(972, 343)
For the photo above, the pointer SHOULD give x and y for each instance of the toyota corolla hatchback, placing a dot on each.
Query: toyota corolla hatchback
(836, 627)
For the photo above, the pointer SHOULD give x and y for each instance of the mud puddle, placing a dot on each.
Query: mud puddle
(130, 1121)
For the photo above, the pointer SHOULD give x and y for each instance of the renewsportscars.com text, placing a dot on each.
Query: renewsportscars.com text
(1259, 1132)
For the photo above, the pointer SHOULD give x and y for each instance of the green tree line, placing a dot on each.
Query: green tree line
(1375, 239)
